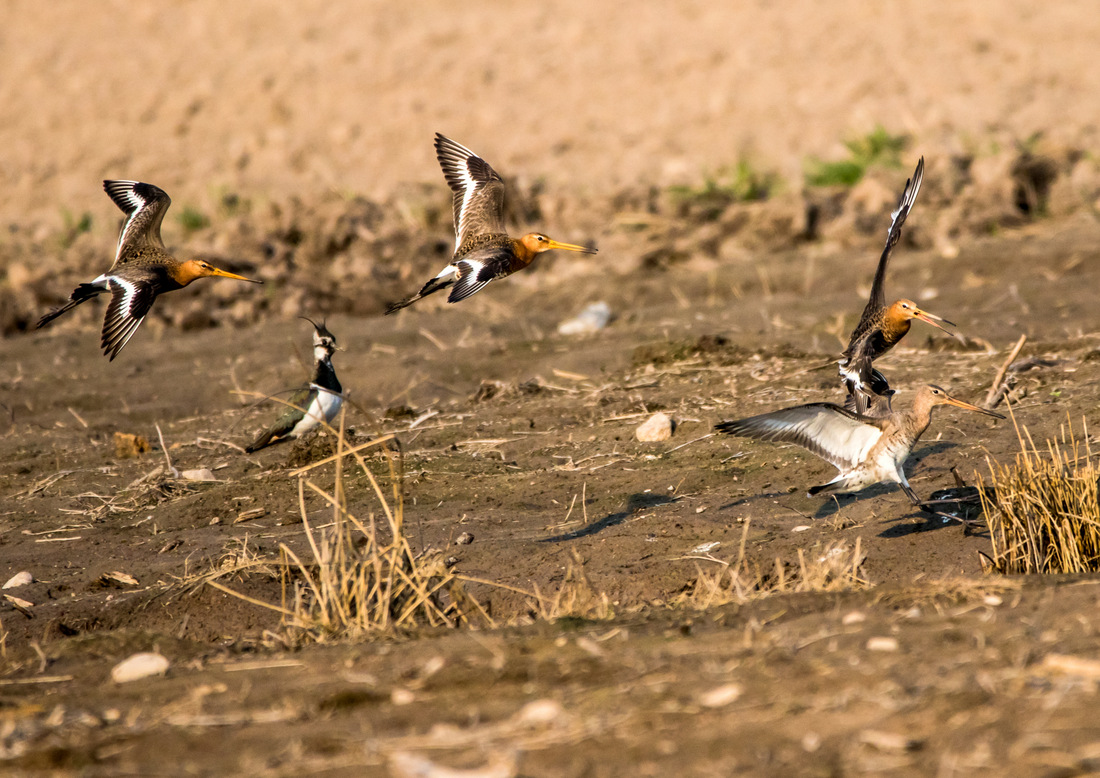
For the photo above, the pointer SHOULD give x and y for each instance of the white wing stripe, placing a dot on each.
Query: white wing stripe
(127, 301)
(449, 270)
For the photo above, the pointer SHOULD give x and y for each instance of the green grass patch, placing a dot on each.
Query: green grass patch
(74, 226)
(877, 148)
(192, 219)
(741, 183)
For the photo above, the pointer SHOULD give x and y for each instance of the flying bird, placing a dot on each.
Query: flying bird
(882, 326)
(142, 268)
(483, 249)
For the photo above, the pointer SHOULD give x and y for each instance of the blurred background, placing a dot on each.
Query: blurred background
(289, 134)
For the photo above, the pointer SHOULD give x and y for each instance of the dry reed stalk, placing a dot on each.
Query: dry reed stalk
(1043, 511)
(576, 599)
(1000, 385)
(831, 567)
(358, 584)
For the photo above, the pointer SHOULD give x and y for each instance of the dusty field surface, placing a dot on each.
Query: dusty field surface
(299, 148)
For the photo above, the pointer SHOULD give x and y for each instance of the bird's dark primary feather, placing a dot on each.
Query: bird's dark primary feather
(299, 404)
(877, 301)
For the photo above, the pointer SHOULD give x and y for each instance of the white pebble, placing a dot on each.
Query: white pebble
(882, 644)
(138, 666)
(656, 428)
(593, 318)
(19, 579)
(540, 712)
(720, 696)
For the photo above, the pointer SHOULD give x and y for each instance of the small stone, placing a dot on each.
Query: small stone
(656, 428)
(402, 697)
(138, 666)
(705, 548)
(593, 318)
(540, 711)
(19, 579)
(721, 696)
(202, 474)
(853, 617)
(888, 741)
(882, 644)
(464, 539)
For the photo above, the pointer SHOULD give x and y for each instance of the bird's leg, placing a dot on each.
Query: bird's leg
(926, 507)
(912, 495)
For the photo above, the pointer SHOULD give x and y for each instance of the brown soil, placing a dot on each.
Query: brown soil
(296, 135)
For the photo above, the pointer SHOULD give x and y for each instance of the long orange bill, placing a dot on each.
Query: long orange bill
(570, 247)
(226, 274)
(969, 407)
(931, 318)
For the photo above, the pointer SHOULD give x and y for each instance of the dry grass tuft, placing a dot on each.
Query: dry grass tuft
(364, 579)
(576, 599)
(829, 567)
(1044, 509)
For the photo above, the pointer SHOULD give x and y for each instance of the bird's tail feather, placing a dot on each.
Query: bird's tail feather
(261, 442)
(81, 294)
(433, 286)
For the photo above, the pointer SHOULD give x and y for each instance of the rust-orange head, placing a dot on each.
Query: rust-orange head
(192, 269)
(536, 243)
(901, 312)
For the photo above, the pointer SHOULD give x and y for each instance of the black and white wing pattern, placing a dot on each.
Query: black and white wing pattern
(130, 302)
(877, 300)
(478, 191)
(476, 269)
(144, 206)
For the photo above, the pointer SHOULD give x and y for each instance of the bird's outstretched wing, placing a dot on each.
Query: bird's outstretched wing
(144, 206)
(130, 302)
(478, 191)
(838, 436)
(477, 269)
(877, 300)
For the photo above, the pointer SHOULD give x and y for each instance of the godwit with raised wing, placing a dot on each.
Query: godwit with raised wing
(866, 450)
(142, 268)
(483, 249)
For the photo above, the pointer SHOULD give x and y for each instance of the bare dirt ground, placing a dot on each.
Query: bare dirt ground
(302, 139)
